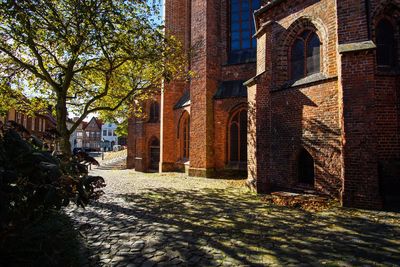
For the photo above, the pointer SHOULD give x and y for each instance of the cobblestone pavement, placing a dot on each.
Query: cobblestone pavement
(173, 220)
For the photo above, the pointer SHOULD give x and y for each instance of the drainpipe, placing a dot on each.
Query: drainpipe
(368, 17)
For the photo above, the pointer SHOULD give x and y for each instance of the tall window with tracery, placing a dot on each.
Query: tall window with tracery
(386, 55)
(185, 132)
(154, 112)
(242, 44)
(305, 55)
(237, 146)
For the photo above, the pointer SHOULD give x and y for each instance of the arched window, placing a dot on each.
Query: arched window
(242, 43)
(305, 167)
(185, 136)
(154, 112)
(237, 132)
(305, 55)
(385, 44)
(154, 154)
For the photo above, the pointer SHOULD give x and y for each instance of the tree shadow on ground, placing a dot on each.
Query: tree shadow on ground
(219, 226)
(49, 241)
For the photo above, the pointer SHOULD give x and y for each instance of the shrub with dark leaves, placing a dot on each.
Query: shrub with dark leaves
(33, 181)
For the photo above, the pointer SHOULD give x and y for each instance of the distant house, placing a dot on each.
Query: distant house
(109, 136)
(91, 134)
(36, 125)
(79, 134)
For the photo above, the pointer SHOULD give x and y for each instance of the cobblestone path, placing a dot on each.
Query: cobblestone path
(173, 220)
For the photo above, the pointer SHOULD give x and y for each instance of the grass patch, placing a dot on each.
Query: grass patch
(51, 241)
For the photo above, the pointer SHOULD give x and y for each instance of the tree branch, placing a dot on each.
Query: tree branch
(24, 65)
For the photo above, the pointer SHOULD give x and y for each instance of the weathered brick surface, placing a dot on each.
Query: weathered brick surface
(348, 119)
(140, 134)
(206, 32)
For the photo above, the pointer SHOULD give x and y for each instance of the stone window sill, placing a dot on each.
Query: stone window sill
(311, 79)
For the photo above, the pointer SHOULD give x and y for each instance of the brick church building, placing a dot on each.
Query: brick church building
(321, 110)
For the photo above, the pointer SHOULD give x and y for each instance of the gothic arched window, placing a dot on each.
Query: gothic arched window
(154, 112)
(305, 55)
(185, 136)
(305, 166)
(385, 44)
(242, 44)
(237, 141)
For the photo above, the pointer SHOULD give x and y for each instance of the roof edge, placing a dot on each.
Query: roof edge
(266, 7)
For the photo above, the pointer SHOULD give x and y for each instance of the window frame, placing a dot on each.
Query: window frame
(239, 164)
(184, 130)
(306, 41)
(394, 49)
(154, 112)
(241, 55)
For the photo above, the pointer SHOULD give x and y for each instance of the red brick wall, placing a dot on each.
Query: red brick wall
(208, 39)
(387, 116)
(360, 163)
(301, 116)
(222, 112)
(348, 121)
(177, 19)
(140, 134)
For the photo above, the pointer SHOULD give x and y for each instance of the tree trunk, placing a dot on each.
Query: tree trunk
(61, 111)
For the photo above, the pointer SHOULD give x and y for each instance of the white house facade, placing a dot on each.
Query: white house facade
(109, 136)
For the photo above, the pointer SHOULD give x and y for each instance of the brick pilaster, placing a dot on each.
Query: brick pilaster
(259, 116)
(206, 65)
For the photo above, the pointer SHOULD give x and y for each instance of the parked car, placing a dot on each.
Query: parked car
(117, 148)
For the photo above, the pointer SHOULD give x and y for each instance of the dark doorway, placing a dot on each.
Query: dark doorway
(154, 154)
(389, 183)
(305, 168)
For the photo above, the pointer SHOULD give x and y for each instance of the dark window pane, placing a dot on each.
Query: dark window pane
(235, 16)
(186, 139)
(243, 136)
(154, 112)
(235, 36)
(246, 16)
(297, 60)
(235, 26)
(235, 7)
(246, 35)
(386, 49)
(234, 139)
(246, 44)
(255, 4)
(245, 5)
(305, 34)
(242, 20)
(235, 45)
(313, 54)
(245, 24)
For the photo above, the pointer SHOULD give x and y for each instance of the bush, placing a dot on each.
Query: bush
(33, 181)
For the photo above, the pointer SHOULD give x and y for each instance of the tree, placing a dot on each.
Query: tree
(84, 56)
